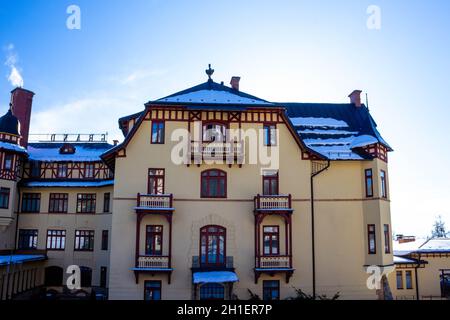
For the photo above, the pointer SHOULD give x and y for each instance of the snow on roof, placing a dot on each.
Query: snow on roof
(20, 258)
(89, 152)
(12, 147)
(405, 248)
(215, 277)
(319, 122)
(400, 260)
(212, 96)
(435, 245)
(362, 141)
(68, 184)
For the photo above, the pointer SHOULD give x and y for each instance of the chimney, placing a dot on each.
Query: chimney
(235, 83)
(355, 98)
(21, 102)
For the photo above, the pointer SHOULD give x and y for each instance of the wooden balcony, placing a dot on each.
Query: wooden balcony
(153, 262)
(228, 152)
(154, 203)
(273, 203)
(227, 265)
(274, 262)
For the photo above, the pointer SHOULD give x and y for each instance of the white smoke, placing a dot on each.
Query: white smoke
(15, 78)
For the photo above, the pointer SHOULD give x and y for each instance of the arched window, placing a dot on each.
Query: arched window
(212, 245)
(213, 131)
(53, 276)
(212, 291)
(214, 184)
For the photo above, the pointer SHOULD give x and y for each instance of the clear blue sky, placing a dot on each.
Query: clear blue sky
(128, 52)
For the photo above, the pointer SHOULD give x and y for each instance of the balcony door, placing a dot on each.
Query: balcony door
(214, 132)
(212, 245)
(156, 181)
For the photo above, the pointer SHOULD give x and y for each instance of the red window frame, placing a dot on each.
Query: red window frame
(272, 236)
(8, 158)
(223, 128)
(89, 167)
(31, 202)
(269, 178)
(156, 181)
(62, 170)
(387, 239)
(205, 183)
(371, 237)
(368, 175)
(383, 179)
(210, 235)
(56, 240)
(269, 134)
(86, 203)
(158, 127)
(152, 232)
(57, 201)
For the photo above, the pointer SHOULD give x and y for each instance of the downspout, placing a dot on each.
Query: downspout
(313, 250)
(417, 278)
(16, 233)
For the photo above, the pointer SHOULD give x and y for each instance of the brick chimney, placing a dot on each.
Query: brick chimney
(235, 83)
(21, 102)
(355, 98)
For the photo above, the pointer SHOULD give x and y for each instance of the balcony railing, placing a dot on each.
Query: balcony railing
(273, 202)
(274, 262)
(233, 150)
(153, 262)
(155, 201)
(198, 264)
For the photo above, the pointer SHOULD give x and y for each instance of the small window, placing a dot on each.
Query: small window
(4, 198)
(270, 182)
(271, 290)
(214, 132)
(28, 239)
(399, 276)
(271, 236)
(157, 132)
(105, 234)
(387, 239)
(369, 182)
(155, 181)
(35, 169)
(31, 202)
(84, 240)
(86, 203)
(62, 170)
(408, 278)
(67, 149)
(58, 202)
(89, 170)
(56, 239)
(153, 240)
(152, 290)
(270, 135)
(106, 202)
(383, 184)
(214, 184)
(371, 239)
(8, 162)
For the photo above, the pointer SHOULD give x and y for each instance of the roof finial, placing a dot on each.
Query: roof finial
(209, 72)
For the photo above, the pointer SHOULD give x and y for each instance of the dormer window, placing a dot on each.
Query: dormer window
(67, 149)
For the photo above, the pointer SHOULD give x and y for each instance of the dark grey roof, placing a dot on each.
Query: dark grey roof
(9, 123)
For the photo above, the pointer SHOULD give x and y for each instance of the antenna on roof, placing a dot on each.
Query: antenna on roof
(209, 72)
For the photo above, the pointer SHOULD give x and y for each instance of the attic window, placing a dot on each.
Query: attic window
(67, 149)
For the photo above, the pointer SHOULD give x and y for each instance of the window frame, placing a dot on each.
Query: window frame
(56, 234)
(5, 194)
(157, 179)
(62, 167)
(153, 235)
(83, 234)
(160, 133)
(29, 233)
(409, 286)
(367, 178)
(92, 201)
(89, 167)
(373, 234)
(56, 198)
(224, 128)
(271, 234)
(270, 178)
(383, 185)
(107, 202)
(28, 199)
(270, 134)
(387, 238)
(267, 289)
(205, 175)
(10, 157)
(399, 276)
(105, 240)
(206, 234)
(157, 288)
